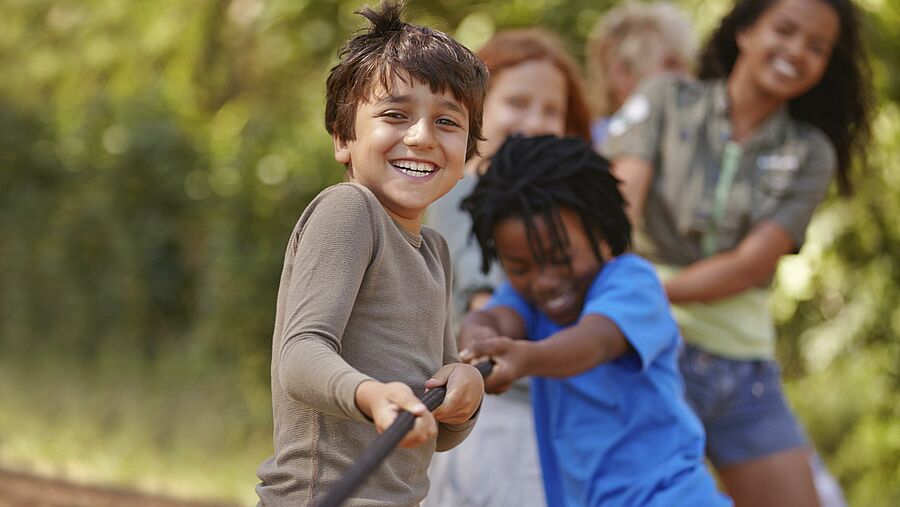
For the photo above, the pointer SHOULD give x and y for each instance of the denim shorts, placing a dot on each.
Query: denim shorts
(741, 405)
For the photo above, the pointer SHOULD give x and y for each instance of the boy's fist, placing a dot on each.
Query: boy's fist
(382, 402)
(465, 388)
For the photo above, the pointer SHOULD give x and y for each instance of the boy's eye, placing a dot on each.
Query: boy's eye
(558, 258)
(514, 269)
(395, 115)
(448, 122)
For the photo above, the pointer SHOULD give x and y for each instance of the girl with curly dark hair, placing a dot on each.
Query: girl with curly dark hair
(722, 177)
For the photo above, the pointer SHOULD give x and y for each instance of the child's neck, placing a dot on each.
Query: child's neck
(412, 225)
(749, 106)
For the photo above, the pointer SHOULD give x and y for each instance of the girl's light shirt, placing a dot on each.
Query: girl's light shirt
(784, 170)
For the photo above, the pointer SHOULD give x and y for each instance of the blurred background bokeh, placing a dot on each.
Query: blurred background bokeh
(154, 157)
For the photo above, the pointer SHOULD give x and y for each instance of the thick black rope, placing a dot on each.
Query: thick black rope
(384, 444)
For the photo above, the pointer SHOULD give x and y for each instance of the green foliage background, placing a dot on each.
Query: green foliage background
(154, 157)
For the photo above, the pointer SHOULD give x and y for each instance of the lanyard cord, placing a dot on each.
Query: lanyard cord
(731, 162)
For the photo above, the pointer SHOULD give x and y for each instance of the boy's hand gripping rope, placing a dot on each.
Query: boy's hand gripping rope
(385, 443)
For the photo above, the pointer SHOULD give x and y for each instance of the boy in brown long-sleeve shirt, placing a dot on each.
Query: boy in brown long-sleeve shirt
(364, 301)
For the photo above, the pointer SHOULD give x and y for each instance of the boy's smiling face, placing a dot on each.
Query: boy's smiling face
(410, 147)
(558, 288)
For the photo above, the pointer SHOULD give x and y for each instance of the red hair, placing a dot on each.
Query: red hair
(513, 47)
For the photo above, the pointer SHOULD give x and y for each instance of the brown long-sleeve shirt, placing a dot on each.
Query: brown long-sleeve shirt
(360, 298)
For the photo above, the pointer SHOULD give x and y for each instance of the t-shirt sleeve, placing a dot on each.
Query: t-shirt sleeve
(505, 295)
(633, 298)
(809, 188)
(636, 128)
(329, 253)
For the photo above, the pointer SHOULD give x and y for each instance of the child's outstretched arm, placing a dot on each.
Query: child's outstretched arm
(592, 340)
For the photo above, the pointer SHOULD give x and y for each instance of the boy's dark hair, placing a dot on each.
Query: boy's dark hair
(539, 175)
(840, 104)
(392, 48)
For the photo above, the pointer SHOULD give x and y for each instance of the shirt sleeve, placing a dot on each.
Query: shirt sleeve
(809, 188)
(636, 128)
(632, 297)
(329, 254)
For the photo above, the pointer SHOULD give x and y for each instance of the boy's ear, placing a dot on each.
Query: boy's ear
(341, 149)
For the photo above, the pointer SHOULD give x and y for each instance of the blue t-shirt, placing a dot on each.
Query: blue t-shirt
(619, 434)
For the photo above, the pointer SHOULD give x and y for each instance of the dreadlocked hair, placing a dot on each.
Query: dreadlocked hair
(536, 176)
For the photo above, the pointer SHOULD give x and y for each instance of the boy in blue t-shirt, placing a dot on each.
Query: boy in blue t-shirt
(591, 323)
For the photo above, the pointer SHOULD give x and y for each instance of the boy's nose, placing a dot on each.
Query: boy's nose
(545, 283)
(419, 134)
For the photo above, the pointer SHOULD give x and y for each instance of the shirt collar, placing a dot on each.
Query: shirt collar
(770, 132)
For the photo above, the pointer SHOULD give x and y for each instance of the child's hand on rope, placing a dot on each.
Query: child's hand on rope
(510, 357)
(471, 334)
(382, 402)
(465, 389)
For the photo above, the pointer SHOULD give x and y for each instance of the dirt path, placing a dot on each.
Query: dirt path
(19, 489)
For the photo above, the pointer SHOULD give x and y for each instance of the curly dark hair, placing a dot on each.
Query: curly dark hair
(840, 104)
(391, 48)
(531, 176)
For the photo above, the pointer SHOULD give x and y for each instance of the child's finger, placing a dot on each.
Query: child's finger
(473, 353)
(415, 407)
(406, 400)
(448, 405)
(483, 348)
(440, 378)
(423, 429)
(499, 380)
(502, 388)
(468, 357)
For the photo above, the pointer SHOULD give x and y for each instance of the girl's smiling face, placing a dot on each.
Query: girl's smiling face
(559, 286)
(410, 148)
(787, 49)
(529, 99)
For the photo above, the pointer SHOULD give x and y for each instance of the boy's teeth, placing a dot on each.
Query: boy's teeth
(414, 174)
(415, 169)
(557, 301)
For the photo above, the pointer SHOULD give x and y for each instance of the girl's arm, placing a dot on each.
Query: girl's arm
(635, 175)
(750, 264)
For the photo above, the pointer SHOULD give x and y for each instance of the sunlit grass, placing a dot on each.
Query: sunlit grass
(158, 429)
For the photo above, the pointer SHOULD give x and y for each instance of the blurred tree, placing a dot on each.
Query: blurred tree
(155, 156)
